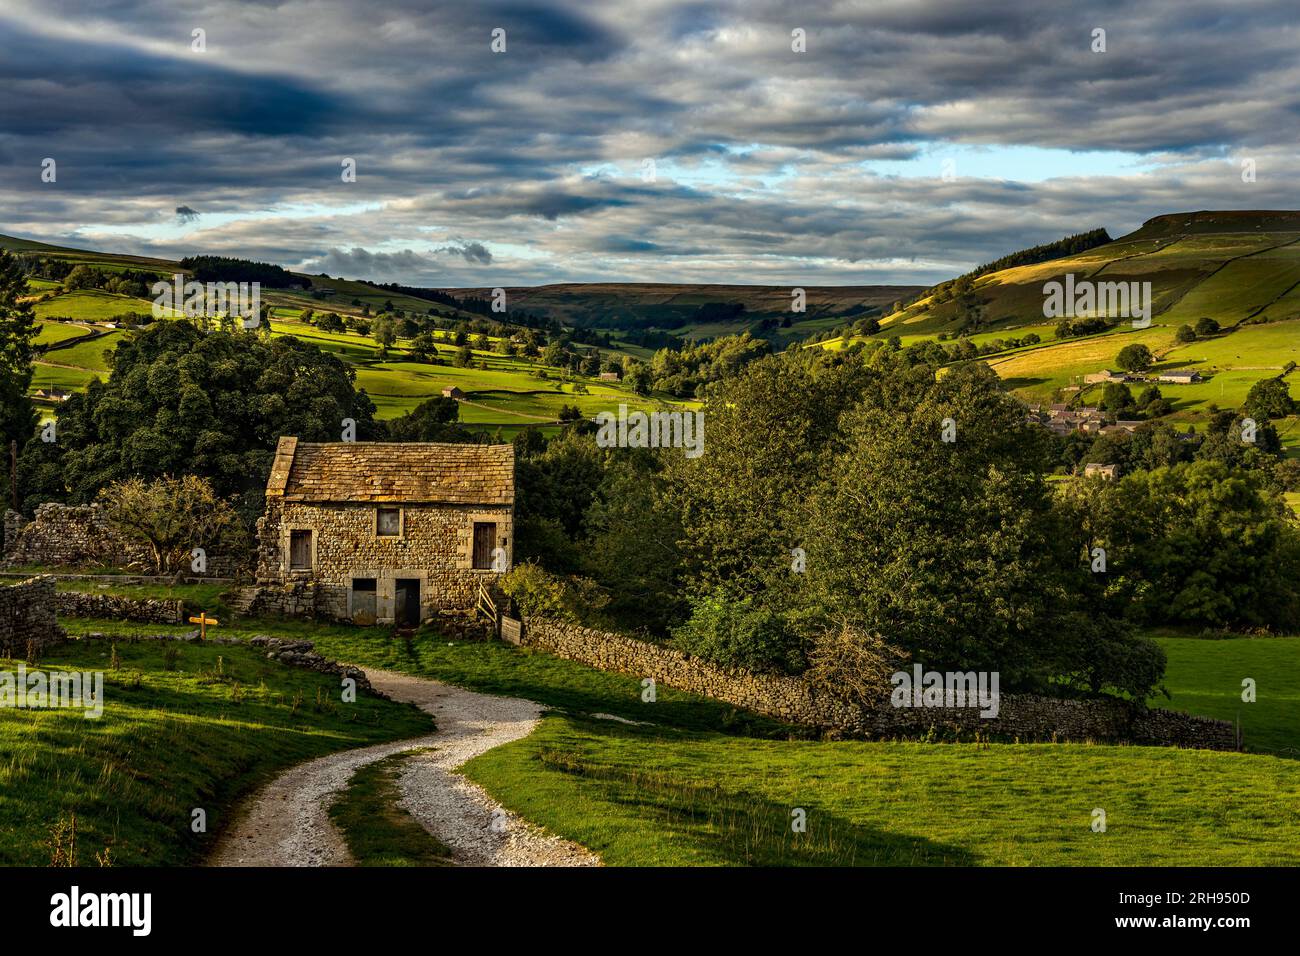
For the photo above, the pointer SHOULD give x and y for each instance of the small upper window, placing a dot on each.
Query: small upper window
(390, 522)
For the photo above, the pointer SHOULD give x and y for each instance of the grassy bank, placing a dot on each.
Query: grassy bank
(183, 727)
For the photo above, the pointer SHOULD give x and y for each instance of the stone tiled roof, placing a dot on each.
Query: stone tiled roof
(393, 471)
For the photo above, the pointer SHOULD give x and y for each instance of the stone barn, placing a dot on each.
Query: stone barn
(383, 532)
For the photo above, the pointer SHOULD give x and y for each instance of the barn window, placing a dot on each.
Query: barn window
(389, 523)
(485, 542)
(299, 550)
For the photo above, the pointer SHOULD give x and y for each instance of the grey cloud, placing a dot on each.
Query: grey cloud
(453, 140)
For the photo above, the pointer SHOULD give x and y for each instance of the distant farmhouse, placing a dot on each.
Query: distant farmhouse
(1108, 472)
(1182, 376)
(1106, 376)
(451, 391)
(610, 376)
(53, 394)
(383, 532)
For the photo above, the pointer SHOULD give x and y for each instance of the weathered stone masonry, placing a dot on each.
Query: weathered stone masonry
(329, 498)
(67, 536)
(27, 616)
(791, 699)
(110, 606)
(72, 536)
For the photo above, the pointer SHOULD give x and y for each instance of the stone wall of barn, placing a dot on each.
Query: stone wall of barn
(435, 547)
(1020, 716)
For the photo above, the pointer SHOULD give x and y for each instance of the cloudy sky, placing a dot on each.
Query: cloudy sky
(636, 140)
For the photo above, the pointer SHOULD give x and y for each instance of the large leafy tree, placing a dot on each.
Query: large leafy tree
(948, 548)
(768, 434)
(180, 400)
(1201, 543)
(18, 331)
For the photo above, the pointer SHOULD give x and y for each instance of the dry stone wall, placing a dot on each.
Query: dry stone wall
(1023, 717)
(143, 611)
(27, 617)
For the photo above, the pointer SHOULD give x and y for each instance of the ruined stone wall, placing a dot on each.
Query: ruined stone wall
(435, 547)
(791, 699)
(27, 616)
(71, 536)
(78, 536)
(14, 522)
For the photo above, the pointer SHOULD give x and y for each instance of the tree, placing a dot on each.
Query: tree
(384, 330)
(1185, 334)
(423, 348)
(172, 517)
(464, 357)
(638, 377)
(1117, 399)
(331, 322)
(1201, 544)
(1269, 398)
(179, 400)
(1134, 358)
(951, 549)
(435, 419)
(18, 331)
(1206, 326)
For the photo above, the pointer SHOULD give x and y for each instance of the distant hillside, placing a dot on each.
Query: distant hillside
(700, 310)
(1229, 266)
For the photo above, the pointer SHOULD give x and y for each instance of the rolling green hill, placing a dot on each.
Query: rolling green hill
(1230, 266)
(505, 393)
(1241, 269)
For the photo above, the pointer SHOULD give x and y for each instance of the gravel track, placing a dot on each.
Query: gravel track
(287, 822)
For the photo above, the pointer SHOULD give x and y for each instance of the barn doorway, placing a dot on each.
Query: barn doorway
(363, 600)
(406, 606)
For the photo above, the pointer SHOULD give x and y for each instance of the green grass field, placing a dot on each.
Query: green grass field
(1205, 677)
(54, 332)
(90, 305)
(197, 732)
(695, 781)
(689, 791)
(643, 797)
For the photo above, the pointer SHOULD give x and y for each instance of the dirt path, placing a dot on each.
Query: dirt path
(287, 823)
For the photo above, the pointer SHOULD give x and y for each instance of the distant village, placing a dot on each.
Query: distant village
(1064, 419)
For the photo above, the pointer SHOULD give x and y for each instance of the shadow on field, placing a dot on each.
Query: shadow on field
(746, 829)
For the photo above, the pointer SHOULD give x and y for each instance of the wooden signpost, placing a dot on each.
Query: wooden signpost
(203, 621)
